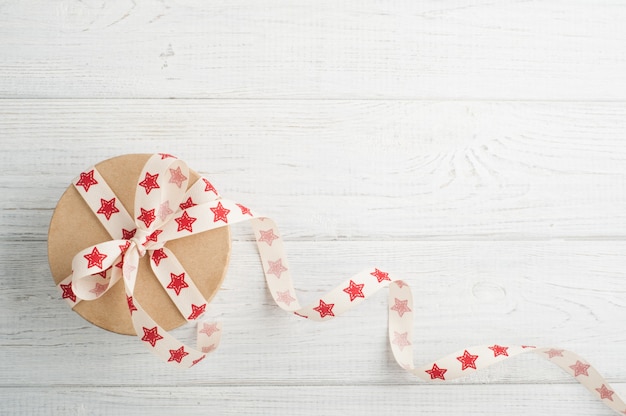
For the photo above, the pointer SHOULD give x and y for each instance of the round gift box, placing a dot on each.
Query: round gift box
(75, 227)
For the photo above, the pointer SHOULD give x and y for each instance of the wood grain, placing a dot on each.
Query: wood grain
(445, 400)
(474, 149)
(314, 49)
(347, 170)
(567, 294)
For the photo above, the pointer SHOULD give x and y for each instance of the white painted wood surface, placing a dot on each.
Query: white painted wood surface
(476, 150)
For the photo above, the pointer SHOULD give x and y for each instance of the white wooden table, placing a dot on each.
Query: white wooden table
(477, 150)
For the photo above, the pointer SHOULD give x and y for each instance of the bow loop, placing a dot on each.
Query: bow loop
(160, 190)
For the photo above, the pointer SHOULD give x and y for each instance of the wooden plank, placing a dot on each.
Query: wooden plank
(358, 170)
(314, 49)
(483, 400)
(564, 294)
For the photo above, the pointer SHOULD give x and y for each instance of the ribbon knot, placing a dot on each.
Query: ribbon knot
(164, 210)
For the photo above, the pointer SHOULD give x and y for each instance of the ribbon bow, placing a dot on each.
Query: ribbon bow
(164, 211)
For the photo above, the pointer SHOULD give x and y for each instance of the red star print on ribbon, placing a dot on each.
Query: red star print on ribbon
(267, 236)
(209, 187)
(276, 268)
(554, 353)
(68, 293)
(354, 290)
(107, 208)
(209, 329)
(196, 311)
(380, 276)
(400, 306)
(147, 216)
(220, 213)
(605, 392)
(467, 360)
(436, 372)
(151, 335)
(324, 309)
(284, 297)
(131, 304)
(580, 369)
(158, 255)
(150, 182)
(95, 258)
(498, 350)
(187, 204)
(178, 355)
(86, 180)
(401, 340)
(177, 177)
(244, 210)
(127, 235)
(185, 222)
(178, 283)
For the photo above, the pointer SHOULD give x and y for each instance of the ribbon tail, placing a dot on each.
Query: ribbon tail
(166, 346)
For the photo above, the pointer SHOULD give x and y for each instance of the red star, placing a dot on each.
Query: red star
(467, 360)
(220, 213)
(187, 204)
(185, 222)
(580, 368)
(150, 182)
(605, 392)
(244, 210)
(401, 340)
(68, 293)
(103, 273)
(209, 329)
(147, 217)
(177, 177)
(554, 353)
(436, 372)
(124, 247)
(498, 350)
(158, 255)
(324, 309)
(380, 276)
(121, 263)
(107, 208)
(99, 289)
(267, 236)
(276, 268)
(209, 349)
(177, 283)
(127, 235)
(94, 259)
(131, 304)
(165, 210)
(355, 290)
(178, 355)
(401, 306)
(151, 335)
(198, 360)
(153, 236)
(209, 187)
(284, 297)
(86, 180)
(166, 155)
(196, 311)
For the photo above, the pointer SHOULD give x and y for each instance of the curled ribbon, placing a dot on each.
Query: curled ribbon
(165, 210)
